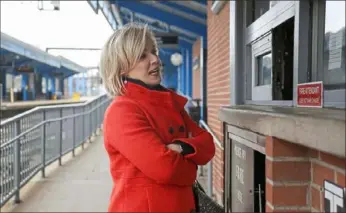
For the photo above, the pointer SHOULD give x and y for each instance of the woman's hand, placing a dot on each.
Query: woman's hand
(175, 147)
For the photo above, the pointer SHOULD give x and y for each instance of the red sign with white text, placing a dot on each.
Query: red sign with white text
(310, 94)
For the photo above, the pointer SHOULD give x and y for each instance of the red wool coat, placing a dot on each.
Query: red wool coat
(147, 176)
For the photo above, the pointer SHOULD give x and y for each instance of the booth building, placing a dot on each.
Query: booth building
(282, 141)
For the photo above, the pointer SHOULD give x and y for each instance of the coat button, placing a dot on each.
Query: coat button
(171, 130)
(181, 129)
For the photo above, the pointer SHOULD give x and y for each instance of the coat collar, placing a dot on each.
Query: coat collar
(156, 95)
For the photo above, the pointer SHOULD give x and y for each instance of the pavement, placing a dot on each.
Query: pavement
(82, 184)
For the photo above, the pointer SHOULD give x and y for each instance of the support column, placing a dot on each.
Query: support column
(70, 85)
(3, 82)
(287, 176)
(189, 72)
(203, 80)
(62, 86)
(182, 71)
(46, 77)
(25, 82)
(186, 65)
(33, 89)
(84, 83)
(178, 78)
(52, 79)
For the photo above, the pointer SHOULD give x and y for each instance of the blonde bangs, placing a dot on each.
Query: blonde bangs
(121, 53)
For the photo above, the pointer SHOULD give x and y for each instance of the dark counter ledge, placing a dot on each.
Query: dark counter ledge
(321, 129)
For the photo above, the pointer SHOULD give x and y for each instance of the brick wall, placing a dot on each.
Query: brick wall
(196, 74)
(295, 176)
(218, 85)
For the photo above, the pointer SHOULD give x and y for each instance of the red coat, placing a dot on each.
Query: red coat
(147, 176)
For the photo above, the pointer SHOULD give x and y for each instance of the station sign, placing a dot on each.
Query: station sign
(167, 40)
(310, 94)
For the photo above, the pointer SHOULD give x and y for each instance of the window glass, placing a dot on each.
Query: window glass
(264, 68)
(260, 7)
(334, 44)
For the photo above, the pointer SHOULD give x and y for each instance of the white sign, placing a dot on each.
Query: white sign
(334, 197)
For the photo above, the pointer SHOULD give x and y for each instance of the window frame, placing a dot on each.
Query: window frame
(333, 98)
(217, 6)
(256, 32)
(260, 47)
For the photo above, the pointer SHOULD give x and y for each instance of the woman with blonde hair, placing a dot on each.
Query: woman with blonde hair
(153, 145)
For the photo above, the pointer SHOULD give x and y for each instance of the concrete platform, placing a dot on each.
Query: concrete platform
(8, 109)
(31, 104)
(82, 184)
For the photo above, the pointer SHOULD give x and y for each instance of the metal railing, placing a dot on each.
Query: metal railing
(204, 125)
(36, 138)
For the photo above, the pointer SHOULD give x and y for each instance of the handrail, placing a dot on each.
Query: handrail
(49, 121)
(21, 115)
(205, 125)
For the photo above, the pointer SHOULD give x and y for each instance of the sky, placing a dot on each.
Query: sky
(75, 25)
(335, 12)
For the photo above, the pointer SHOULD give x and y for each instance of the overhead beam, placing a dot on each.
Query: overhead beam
(165, 27)
(166, 17)
(175, 12)
(116, 12)
(198, 7)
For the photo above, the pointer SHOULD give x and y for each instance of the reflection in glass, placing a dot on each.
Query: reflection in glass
(264, 69)
(334, 44)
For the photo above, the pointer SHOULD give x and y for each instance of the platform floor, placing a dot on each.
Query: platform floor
(30, 104)
(82, 184)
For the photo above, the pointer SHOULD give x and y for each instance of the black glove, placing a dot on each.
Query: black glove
(187, 148)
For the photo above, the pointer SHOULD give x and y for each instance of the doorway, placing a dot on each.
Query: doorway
(282, 48)
(259, 198)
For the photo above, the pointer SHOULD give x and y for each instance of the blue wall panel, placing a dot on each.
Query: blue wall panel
(170, 74)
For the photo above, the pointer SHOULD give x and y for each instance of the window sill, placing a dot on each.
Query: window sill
(217, 6)
(321, 129)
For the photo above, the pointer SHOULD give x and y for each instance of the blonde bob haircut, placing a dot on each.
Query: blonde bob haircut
(121, 53)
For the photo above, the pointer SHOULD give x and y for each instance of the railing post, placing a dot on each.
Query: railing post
(83, 138)
(17, 162)
(90, 122)
(74, 133)
(43, 145)
(61, 134)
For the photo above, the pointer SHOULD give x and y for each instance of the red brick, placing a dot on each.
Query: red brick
(313, 153)
(269, 192)
(297, 198)
(279, 148)
(341, 179)
(286, 195)
(315, 198)
(268, 208)
(321, 173)
(336, 161)
(288, 171)
(291, 210)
